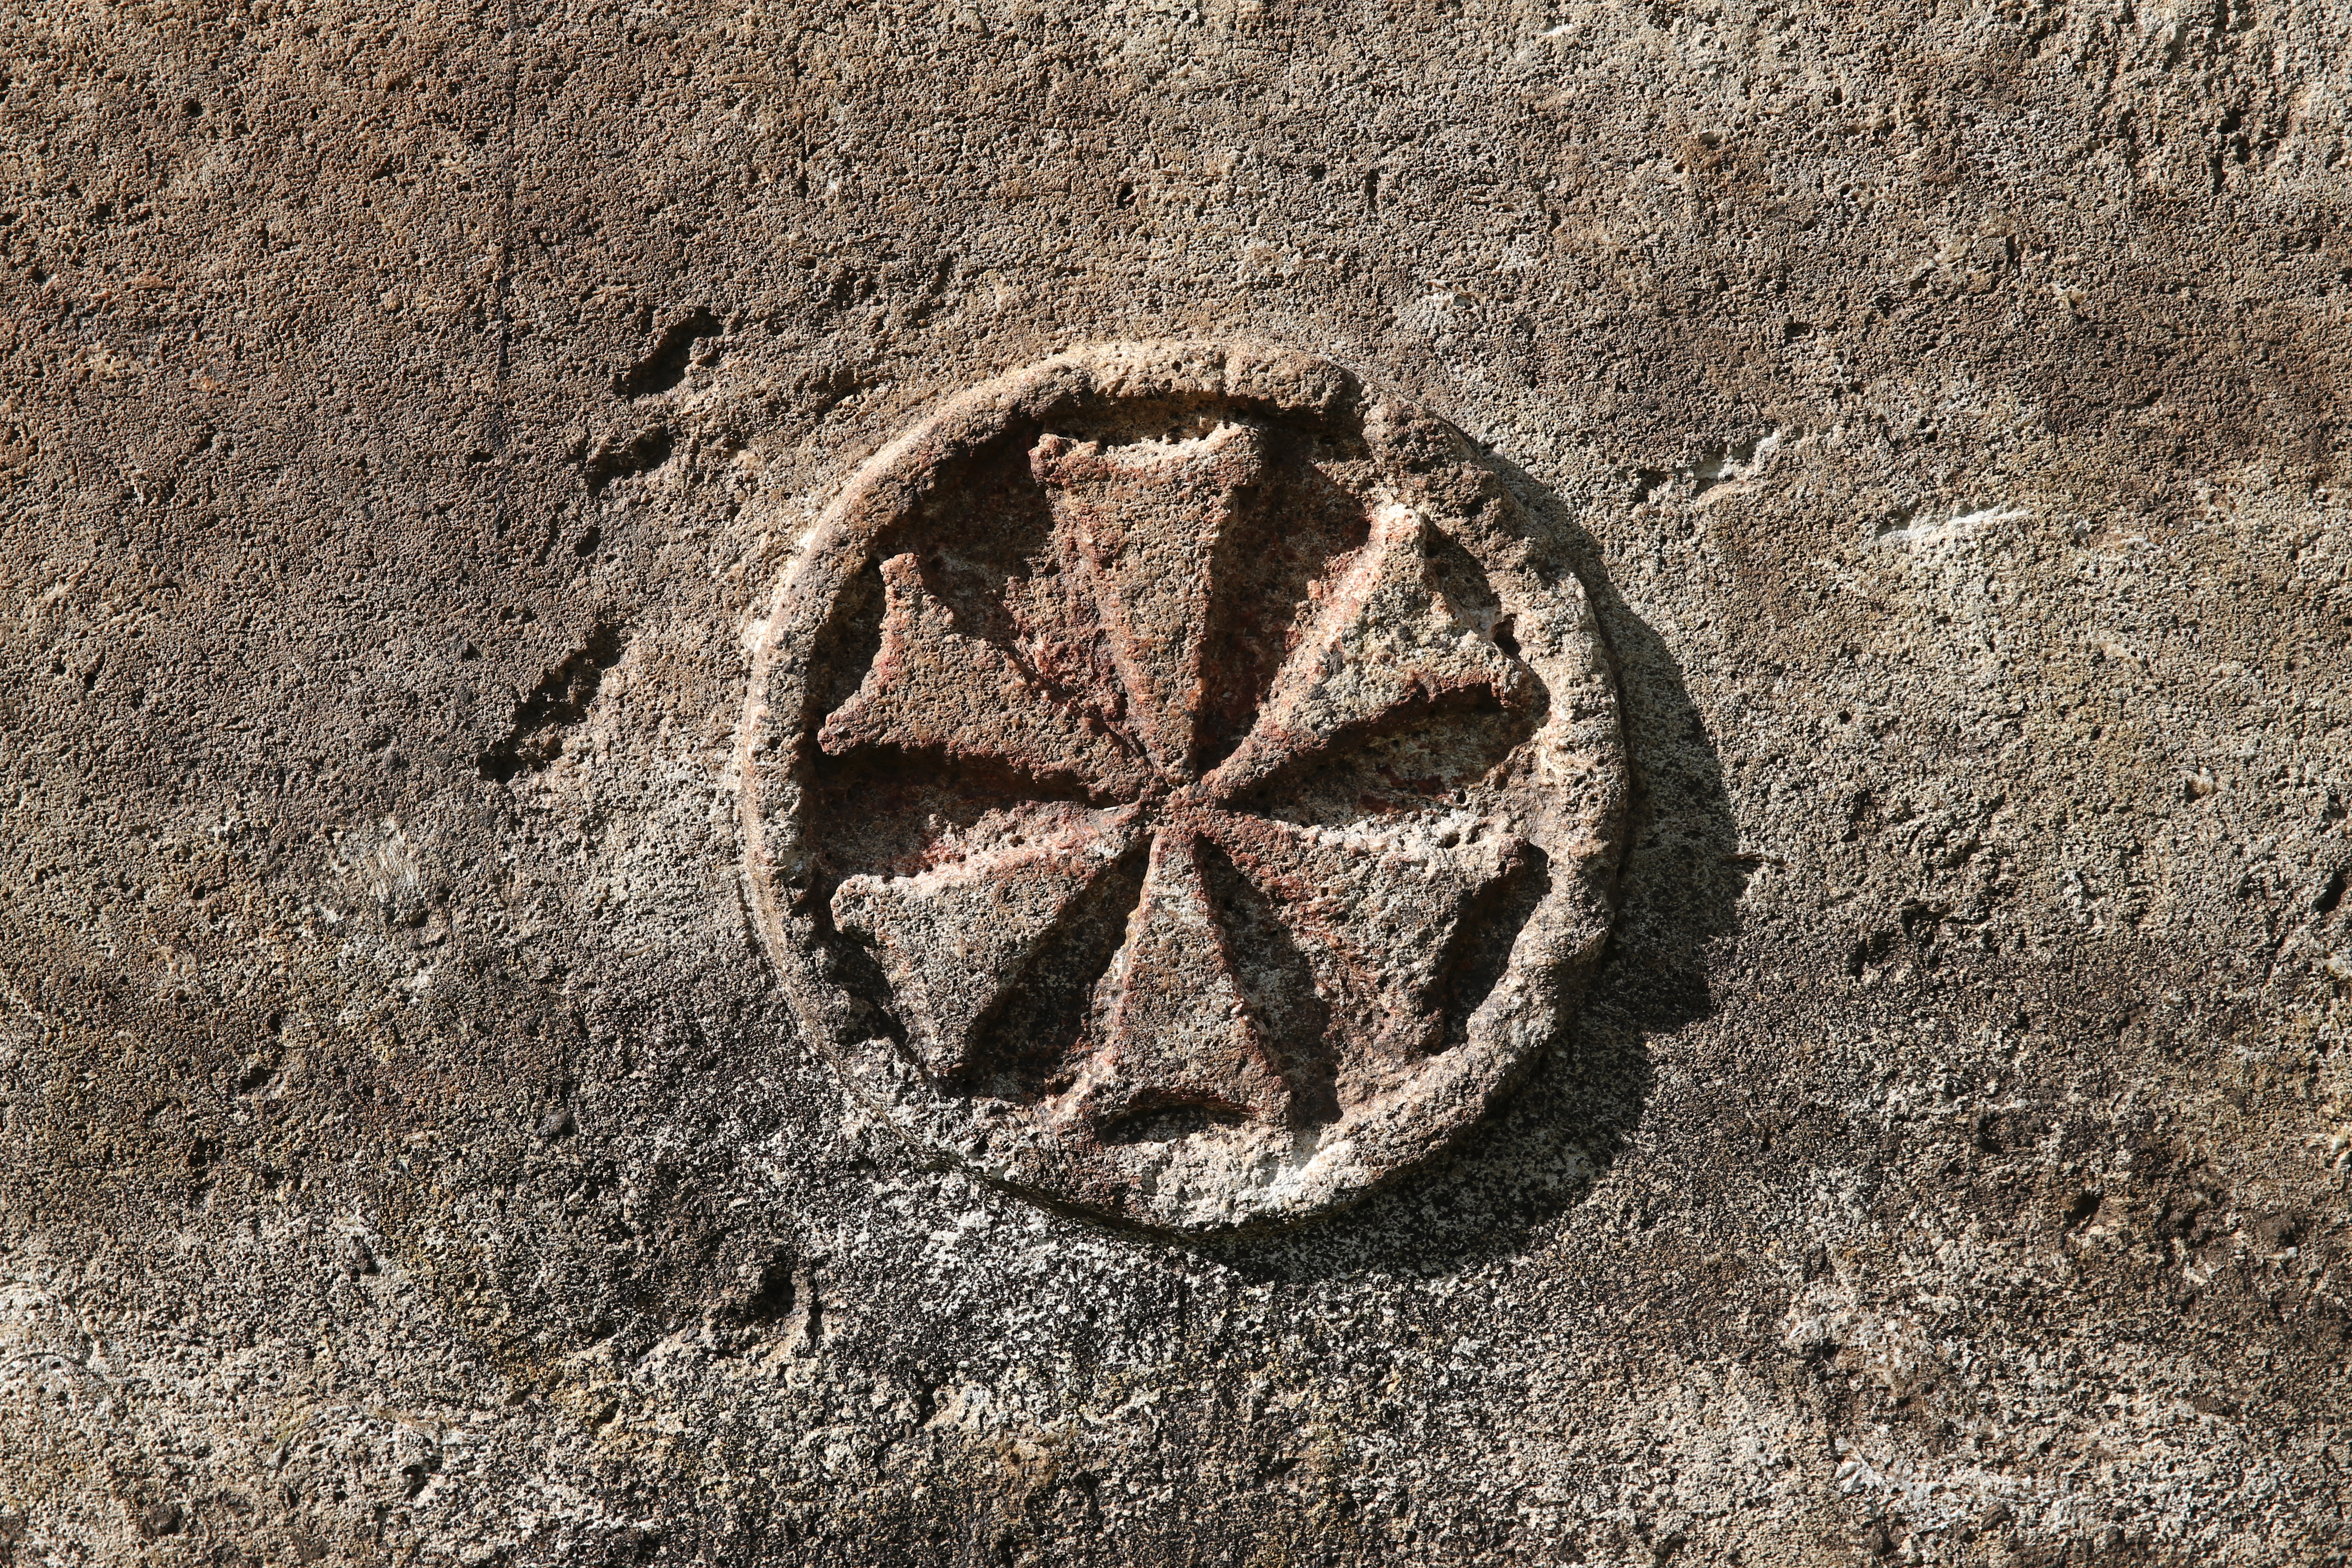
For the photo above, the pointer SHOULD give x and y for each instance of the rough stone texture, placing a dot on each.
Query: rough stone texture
(407, 1152)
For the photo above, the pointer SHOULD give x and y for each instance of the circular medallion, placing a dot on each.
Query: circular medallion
(1182, 784)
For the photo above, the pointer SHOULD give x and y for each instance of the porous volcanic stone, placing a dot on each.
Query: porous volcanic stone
(1851, 500)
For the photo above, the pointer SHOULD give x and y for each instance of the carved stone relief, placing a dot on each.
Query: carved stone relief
(1182, 784)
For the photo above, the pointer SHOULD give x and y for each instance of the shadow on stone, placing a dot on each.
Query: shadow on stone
(1539, 1153)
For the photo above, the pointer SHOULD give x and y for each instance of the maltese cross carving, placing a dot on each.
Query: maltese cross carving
(1181, 786)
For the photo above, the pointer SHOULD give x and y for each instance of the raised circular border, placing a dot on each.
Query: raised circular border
(1580, 742)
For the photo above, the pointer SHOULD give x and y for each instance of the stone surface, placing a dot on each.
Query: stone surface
(410, 1151)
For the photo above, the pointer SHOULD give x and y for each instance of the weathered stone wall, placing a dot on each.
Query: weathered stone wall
(406, 1150)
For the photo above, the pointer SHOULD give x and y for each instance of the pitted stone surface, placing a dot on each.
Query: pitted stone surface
(411, 1151)
(1225, 805)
